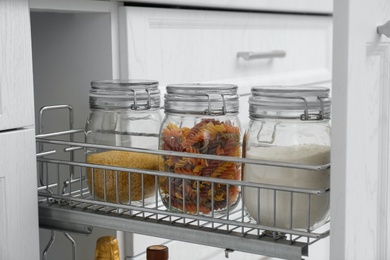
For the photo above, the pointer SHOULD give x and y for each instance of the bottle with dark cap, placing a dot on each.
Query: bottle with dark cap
(157, 252)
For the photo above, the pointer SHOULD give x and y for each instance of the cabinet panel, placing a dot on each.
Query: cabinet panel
(16, 81)
(179, 46)
(361, 128)
(18, 196)
(304, 6)
(3, 224)
(173, 45)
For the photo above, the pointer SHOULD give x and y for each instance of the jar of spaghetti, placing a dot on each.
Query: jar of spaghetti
(288, 125)
(200, 119)
(123, 113)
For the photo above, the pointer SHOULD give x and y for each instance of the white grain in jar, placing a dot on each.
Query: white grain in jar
(283, 207)
(288, 125)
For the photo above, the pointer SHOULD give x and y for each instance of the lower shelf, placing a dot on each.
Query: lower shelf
(82, 218)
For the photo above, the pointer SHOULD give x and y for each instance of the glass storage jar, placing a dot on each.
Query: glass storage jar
(107, 248)
(202, 119)
(292, 125)
(123, 113)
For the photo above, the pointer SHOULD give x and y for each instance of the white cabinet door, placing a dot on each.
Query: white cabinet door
(181, 46)
(360, 204)
(18, 196)
(16, 80)
(176, 45)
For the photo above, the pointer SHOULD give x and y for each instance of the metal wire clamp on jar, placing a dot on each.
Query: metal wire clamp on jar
(200, 118)
(292, 125)
(123, 113)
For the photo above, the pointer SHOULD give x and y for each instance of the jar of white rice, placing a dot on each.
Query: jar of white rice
(288, 125)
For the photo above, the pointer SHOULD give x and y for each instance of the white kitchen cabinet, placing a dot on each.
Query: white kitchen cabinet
(360, 207)
(18, 196)
(176, 46)
(16, 92)
(18, 193)
(173, 45)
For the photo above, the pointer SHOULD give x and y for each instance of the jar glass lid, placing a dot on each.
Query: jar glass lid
(130, 94)
(201, 98)
(304, 102)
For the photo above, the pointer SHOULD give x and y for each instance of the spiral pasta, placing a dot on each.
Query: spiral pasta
(209, 136)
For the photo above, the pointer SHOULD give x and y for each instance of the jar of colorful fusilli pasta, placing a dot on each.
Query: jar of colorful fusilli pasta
(200, 119)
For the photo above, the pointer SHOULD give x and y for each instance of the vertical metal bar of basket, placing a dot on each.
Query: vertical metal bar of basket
(118, 142)
(184, 198)
(46, 166)
(104, 184)
(212, 202)
(258, 208)
(308, 218)
(129, 182)
(227, 205)
(143, 192)
(40, 149)
(291, 212)
(198, 199)
(70, 180)
(143, 189)
(71, 138)
(49, 245)
(170, 196)
(274, 208)
(92, 182)
(116, 187)
(41, 131)
(73, 242)
(58, 180)
(81, 182)
(242, 208)
(119, 234)
(308, 213)
(156, 188)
